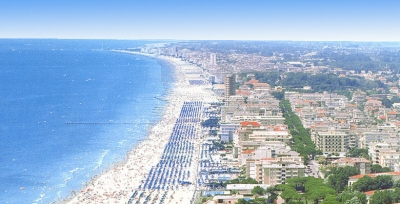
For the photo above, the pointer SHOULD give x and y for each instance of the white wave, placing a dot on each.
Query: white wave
(74, 170)
(122, 142)
(100, 162)
(40, 198)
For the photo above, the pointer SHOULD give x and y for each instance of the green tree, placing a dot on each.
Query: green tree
(348, 195)
(268, 77)
(241, 201)
(330, 199)
(290, 194)
(302, 142)
(310, 188)
(355, 152)
(395, 195)
(258, 201)
(387, 103)
(354, 200)
(396, 184)
(258, 191)
(272, 195)
(383, 182)
(395, 99)
(364, 184)
(319, 193)
(338, 181)
(248, 181)
(367, 183)
(316, 190)
(278, 95)
(321, 160)
(339, 177)
(380, 197)
(376, 168)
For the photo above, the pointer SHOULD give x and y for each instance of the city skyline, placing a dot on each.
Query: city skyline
(309, 20)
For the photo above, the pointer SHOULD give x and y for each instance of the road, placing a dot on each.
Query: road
(312, 169)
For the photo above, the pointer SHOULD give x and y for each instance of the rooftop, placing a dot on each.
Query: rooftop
(376, 174)
(250, 123)
(351, 160)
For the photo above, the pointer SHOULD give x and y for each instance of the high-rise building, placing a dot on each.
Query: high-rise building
(213, 59)
(229, 86)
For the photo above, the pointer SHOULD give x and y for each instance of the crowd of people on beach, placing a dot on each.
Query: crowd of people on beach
(173, 170)
(120, 183)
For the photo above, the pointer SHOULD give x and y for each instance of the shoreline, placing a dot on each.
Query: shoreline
(119, 183)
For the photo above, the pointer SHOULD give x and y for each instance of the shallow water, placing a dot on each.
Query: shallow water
(69, 110)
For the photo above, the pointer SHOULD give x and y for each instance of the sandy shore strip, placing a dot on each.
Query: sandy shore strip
(119, 184)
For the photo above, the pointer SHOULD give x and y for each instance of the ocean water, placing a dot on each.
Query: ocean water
(69, 110)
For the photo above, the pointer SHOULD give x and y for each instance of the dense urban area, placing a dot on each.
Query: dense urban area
(296, 122)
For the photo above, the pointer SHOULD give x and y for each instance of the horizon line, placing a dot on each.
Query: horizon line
(161, 39)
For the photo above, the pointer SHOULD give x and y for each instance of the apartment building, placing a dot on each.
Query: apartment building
(252, 130)
(273, 171)
(257, 154)
(282, 136)
(248, 148)
(332, 141)
(361, 163)
(372, 136)
(385, 154)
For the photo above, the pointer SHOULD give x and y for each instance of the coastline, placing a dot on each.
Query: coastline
(118, 184)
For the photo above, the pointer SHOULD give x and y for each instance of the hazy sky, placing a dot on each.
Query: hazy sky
(353, 20)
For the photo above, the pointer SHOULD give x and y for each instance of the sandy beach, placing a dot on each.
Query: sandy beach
(125, 181)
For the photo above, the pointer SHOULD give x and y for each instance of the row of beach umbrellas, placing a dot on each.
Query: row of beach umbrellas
(173, 168)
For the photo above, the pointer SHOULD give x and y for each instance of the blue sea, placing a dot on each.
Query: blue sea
(69, 109)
